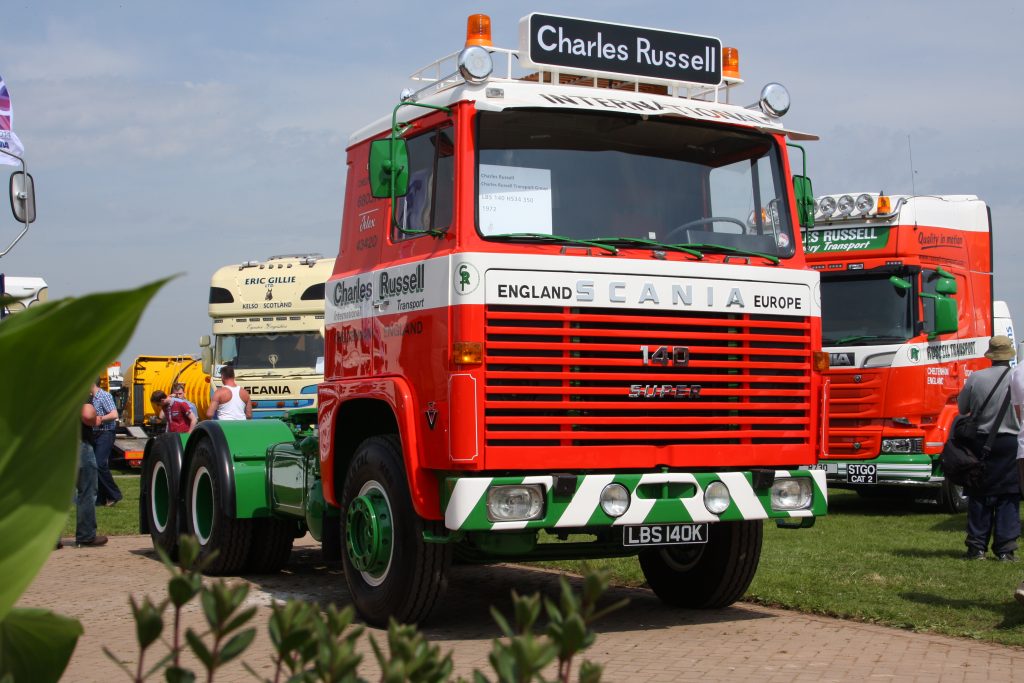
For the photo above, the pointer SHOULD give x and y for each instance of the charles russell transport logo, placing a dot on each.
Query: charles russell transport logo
(466, 278)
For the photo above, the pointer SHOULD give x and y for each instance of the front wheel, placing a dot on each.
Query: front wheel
(389, 569)
(951, 497)
(204, 514)
(712, 575)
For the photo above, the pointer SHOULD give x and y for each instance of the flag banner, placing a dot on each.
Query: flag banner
(9, 141)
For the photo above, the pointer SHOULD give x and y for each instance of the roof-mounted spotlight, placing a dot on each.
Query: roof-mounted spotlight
(774, 100)
(475, 64)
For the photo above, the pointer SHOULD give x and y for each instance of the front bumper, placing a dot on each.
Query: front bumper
(464, 500)
(912, 469)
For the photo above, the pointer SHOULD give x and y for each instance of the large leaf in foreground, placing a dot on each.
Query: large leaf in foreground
(50, 355)
(36, 645)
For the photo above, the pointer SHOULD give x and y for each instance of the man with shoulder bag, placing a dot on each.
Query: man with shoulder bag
(993, 506)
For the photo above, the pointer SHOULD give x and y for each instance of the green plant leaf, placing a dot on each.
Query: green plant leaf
(199, 649)
(51, 354)
(237, 645)
(175, 674)
(36, 644)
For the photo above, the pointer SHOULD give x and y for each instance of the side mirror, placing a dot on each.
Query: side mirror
(206, 356)
(804, 200)
(204, 341)
(945, 316)
(899, 283)
(945, 285)
(23, 197)
(389, 157)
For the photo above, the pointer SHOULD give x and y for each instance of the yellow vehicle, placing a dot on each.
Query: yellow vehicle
(268, 323)
(131, 392)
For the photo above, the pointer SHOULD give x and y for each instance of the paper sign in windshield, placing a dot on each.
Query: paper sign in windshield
(514, 199)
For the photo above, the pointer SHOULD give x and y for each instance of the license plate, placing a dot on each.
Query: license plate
(828, 467)
(664, 534)
(861, 474)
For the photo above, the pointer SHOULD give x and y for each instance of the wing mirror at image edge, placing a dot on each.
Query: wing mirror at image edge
(23, 197)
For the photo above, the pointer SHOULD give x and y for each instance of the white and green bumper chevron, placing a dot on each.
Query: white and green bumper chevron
(654, 498)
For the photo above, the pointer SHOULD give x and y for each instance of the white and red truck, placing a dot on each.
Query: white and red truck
(907, 310)
(570, 302)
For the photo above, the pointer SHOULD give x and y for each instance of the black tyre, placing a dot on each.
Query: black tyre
(389, 569)
(271, 545)
(332, 543)
(712, 575)
(204, 515)
(159, 499)
(951, 497)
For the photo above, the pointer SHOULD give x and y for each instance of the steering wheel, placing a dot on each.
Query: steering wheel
(704, 221)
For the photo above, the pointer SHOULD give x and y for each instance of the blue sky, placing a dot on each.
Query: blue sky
(180, 137)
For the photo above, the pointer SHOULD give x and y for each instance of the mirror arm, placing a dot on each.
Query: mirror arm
(24, 169)
(397, 131)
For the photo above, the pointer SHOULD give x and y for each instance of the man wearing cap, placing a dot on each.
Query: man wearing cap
(993, 508)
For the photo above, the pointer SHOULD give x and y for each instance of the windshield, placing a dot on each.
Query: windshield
(271, 351)
(864, 310)
(598, 176)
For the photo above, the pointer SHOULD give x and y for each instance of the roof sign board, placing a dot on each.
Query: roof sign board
(593, 47)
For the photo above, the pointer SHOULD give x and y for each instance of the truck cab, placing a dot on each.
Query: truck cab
(907, 310)
(268, 323)
(570, 317)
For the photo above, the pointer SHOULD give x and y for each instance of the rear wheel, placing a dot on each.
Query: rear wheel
(951, 497)
(712, 575)
(389, 569)
(216, 532)
(271, 545)
(159, 499)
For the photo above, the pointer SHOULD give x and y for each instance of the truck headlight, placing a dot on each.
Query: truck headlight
(615, 500)
(717, 498)
(791, 494)
(515, 503)
(903, 445)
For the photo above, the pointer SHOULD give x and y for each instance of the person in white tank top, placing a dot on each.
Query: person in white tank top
(230, 402)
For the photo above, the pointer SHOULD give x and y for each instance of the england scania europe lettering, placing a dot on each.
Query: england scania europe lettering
(640, 293)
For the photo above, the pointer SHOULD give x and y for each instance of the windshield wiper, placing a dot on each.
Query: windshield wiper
(774, 260)
(648, 243)
(860, 338)
(541, 236)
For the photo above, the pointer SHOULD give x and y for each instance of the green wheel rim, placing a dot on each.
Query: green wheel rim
(160, 497)
(369, 536)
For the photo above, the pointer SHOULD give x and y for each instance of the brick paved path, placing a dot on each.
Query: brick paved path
(645, 642)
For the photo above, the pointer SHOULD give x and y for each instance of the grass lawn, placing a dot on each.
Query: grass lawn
(119, 520)
(890, 562)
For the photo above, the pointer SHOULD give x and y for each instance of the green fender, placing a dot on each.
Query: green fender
(240, 448)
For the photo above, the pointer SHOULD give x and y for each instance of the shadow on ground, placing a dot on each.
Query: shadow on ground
(464, 612)
(1010, 612)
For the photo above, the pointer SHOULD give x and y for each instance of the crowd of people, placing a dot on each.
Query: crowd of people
(95, 483)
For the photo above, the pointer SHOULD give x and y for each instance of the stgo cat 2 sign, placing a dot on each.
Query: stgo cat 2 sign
(582, 46)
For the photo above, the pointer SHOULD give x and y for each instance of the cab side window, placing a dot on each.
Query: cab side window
(430, 199)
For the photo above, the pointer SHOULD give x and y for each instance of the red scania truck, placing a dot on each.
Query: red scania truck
(570, 317)
(907, 310)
